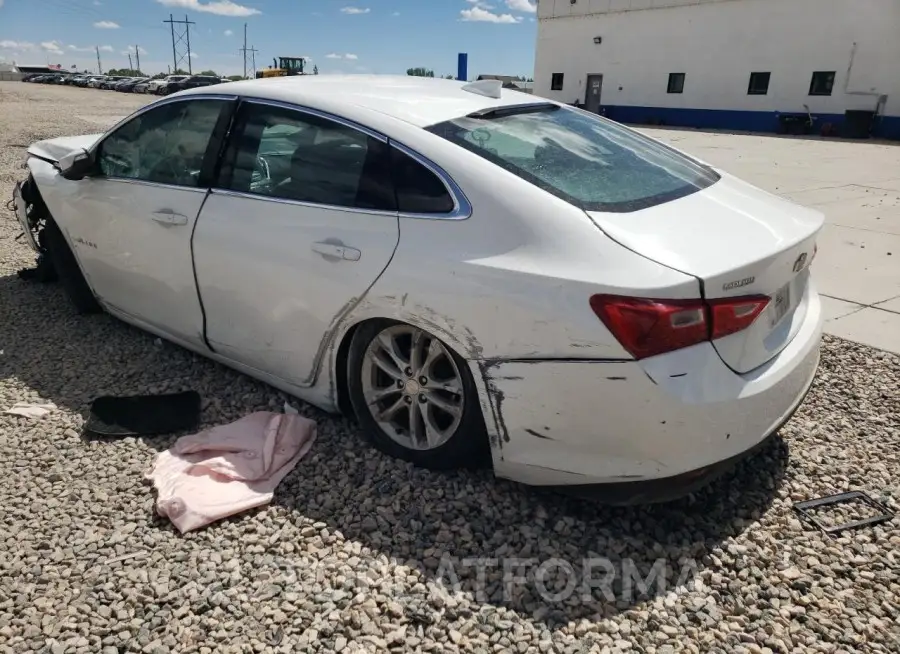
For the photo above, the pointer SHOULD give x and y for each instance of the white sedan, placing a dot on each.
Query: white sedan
(478, 275)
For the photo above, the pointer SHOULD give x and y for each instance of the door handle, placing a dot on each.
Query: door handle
(169, 217)
(336, 251)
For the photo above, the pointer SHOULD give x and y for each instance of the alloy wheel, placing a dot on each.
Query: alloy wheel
(412, 387)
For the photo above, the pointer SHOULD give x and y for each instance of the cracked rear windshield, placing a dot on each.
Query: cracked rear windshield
(586, 160)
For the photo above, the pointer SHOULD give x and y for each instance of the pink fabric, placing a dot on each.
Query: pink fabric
(228, 469)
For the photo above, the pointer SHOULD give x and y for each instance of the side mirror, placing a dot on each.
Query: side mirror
(76, 165)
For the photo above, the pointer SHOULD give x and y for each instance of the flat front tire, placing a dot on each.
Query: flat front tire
(68, 271)
(415, 398)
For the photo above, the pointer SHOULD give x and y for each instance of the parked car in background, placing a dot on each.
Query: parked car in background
(128, 85)
(97, 81)
(492, 275)
(110, 82)
(156, 86)
(192, 82)
(141, 87)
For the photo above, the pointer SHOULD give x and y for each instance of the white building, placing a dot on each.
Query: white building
(731, 64)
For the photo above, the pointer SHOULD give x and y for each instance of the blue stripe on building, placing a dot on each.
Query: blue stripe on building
(887, 127)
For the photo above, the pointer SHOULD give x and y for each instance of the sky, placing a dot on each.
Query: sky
(339, 36)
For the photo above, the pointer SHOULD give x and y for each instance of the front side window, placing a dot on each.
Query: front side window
(293, 155)
(582, 158)
(165, 145)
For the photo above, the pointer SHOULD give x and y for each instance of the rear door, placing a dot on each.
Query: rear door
(302, 223)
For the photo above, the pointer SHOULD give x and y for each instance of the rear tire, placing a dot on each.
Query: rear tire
(66, 266)
(424, 407)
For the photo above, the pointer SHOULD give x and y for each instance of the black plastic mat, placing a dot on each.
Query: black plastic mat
(144, 415)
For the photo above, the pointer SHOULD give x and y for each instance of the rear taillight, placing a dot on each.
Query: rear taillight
(647, 327)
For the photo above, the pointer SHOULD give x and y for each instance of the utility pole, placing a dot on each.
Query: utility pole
(99, 67)
(252, 51)
(137, 54)
(182, 37)
(130, 66)
(187, 30)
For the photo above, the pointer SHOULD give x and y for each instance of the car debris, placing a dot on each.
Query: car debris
(803, 508)
(29, 410)
(144, 415)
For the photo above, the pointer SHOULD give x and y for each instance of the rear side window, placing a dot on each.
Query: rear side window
(590, 162)
(418, 189)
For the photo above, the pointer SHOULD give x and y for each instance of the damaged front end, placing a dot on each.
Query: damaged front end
(32, 214)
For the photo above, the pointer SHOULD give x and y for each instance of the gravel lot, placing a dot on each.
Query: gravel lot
(358, 551)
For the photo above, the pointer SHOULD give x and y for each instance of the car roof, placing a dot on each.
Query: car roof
(421, 101)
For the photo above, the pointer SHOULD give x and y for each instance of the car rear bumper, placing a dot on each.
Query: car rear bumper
(670, 420)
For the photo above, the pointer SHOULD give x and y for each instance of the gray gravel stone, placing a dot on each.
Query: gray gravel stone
(351, 555)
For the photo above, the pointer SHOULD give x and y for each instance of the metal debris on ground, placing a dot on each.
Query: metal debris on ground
(803, 508)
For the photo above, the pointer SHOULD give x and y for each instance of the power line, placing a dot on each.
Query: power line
(183, 37)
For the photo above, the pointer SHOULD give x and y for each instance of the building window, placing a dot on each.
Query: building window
(822, 83)
(556, 82)
(676, 83)
(759, 83)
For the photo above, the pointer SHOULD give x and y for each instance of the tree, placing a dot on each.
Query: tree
(236, 78)
(315, 70)
(420, 72)
(124, 72)
(448, 77)
(210, 73)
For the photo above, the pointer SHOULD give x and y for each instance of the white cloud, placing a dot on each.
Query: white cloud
(106, 25)
(194, 55)
(75, 48)
(97, 3)
(522, 5)
(220, 7)
(355, 10)
(106, 48)
(16, 45)
(480, 15)
(333, 55)
(396, 13)
(229, 33)
(349, 56)
(53, 47)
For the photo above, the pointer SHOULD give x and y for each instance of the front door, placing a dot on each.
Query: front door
(131, 222)
(592, 94)
(302, 223)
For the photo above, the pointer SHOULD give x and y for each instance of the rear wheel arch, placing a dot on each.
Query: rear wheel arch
(480, 452)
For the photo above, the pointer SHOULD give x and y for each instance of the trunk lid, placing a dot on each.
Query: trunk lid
(738, 241)
(54, 149)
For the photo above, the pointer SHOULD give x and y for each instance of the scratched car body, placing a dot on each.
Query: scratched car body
(476, 274)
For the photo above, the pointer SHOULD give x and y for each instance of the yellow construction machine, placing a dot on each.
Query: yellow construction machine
(283, 67)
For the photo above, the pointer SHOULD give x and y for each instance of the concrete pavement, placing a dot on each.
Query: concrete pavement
(856, 184)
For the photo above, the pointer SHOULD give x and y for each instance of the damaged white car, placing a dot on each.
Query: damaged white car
(477, 274)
